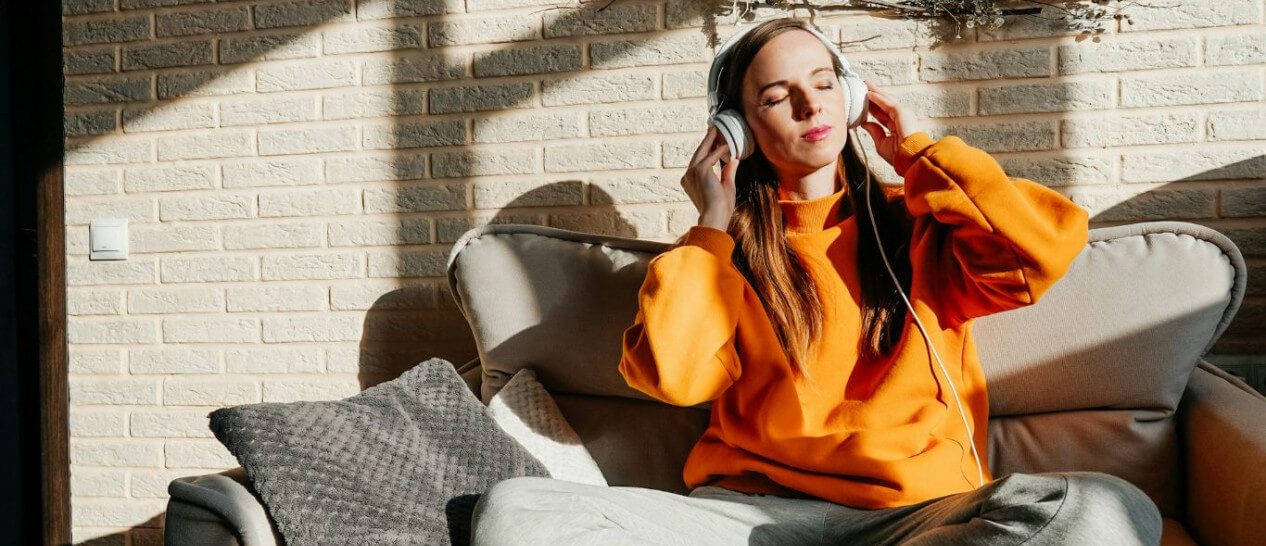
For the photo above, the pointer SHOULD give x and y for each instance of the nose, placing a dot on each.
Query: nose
(810, 108)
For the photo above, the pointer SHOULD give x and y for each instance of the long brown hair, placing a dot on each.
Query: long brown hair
(791, 300)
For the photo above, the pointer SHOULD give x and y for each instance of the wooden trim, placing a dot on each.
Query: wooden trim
(36, 86)
(54, 372)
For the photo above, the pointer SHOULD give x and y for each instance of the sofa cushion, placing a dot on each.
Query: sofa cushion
(527, 412)
(402, 462)
(527, 290)
(1090, 377)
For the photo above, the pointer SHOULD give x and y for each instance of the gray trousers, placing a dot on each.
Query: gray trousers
(1049, 508)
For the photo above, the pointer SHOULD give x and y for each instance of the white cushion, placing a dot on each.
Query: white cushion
(527, 412)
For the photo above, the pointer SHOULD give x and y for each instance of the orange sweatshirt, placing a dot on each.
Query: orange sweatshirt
(880, 433)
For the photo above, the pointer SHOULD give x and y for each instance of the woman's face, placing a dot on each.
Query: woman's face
(789, 88)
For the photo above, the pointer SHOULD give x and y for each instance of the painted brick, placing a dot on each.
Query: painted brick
(93, 122)
(210, 330)
(216, 206)
(273, 235)
(367, 39)
(110, 151)
(272, 172)
(303, 13)
(111, 30)
(307, 141)
(1128, 54)
(171, 300)
(173, 361)
(987, 64)
(416, 198)
(313, 266)
(161, 238)
(93, 182)
(109, 89)
(169, 178)
(518, 127)
(417, 67)
(169, 117)
(268, 110)
(309, 75)
(359, 233)
(210, 145)
(317, 202)
(268, 47)
(414, 135)
(85, 360)
(185, 53)
(373, 104)
(208, 268)
(366, 168)
(483, 30)
(1171, 89)
(203, 21)
(275, 360)
(106, 301)
(277, 298)
(90, 61)
(202, 83)
(169, 423)
(326, 327)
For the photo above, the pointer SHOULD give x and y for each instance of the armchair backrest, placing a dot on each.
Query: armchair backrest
(1087, 378)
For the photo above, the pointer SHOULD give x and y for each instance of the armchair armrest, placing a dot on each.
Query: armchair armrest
(1223, 425)
(217, 509)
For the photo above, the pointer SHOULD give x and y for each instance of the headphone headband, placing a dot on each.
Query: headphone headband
(723, 52)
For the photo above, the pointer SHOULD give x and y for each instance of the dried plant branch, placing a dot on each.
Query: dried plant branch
(1083, 15)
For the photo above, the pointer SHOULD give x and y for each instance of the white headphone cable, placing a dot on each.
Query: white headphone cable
(970, 435)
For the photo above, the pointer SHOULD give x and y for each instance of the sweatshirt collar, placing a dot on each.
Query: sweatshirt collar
(812, 215)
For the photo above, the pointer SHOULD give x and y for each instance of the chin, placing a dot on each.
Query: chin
(820, 154)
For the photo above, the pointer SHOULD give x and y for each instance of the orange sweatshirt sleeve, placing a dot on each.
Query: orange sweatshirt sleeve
(680, 348)
(1008, 239)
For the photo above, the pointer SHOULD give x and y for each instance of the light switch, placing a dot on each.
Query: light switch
(107, 239)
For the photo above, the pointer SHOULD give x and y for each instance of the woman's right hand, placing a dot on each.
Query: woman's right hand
(712, 195)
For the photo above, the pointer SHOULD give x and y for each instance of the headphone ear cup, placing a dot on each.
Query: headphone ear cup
(737, 134)
(857, 100)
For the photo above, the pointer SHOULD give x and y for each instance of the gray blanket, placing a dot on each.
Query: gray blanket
(402, 462)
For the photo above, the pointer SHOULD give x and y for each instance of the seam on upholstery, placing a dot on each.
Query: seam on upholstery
(1062, 502)
(1010, 246)
(826, 509)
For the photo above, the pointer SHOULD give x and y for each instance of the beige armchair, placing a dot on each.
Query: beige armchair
(1104, 373)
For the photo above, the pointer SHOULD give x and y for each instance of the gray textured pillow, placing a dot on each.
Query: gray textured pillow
(402, 462)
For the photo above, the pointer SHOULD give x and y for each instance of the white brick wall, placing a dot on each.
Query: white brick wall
(295, 172)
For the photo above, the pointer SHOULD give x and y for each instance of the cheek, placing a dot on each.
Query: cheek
(775, 134)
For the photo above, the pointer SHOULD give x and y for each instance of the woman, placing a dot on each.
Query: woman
(830, 421)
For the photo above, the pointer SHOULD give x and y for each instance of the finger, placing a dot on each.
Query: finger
(872, 129)
(876, 89)
(706, 146)
(884, 103)
(879, 113)
(712, 158)
(727, 172)
(875, 130)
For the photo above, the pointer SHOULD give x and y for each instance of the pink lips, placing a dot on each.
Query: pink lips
(817, 133)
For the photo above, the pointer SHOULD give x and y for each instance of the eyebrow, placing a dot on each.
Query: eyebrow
(783, 82)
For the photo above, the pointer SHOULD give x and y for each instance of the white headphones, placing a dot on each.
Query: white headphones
(738, 135)
(730, 122)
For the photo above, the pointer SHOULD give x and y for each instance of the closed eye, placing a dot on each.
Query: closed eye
(770, 103)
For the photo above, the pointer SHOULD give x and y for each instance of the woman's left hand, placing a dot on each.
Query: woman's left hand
(899, 122)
